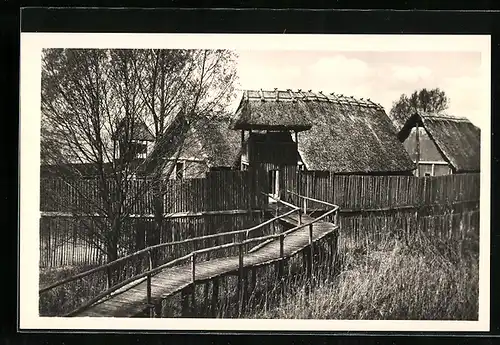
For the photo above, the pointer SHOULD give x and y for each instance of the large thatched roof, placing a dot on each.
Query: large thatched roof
(457, 138)
(215, 140)
(346, 135)
(272, 110)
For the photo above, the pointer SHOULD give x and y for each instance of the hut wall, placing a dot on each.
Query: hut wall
(275, 151)
(428, 153)
(275, 148)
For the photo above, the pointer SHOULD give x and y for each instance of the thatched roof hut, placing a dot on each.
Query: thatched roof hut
(138, 131)
(214, 140)
(338, 133)
(456, 138)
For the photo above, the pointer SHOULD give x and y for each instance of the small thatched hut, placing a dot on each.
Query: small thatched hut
(286, 130)
(441, 144)
(210, 144)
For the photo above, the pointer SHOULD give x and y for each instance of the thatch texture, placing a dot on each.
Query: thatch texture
(214, 140)
(139, 131)
(272, 110)
(457, 138)
(346, 135)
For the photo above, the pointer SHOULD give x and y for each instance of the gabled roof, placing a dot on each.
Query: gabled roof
(139, 131)
(456, 137)
(220, 143)
(207, 138)
(346, 135)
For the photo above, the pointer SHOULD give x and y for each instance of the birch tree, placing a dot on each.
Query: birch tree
(92, 96)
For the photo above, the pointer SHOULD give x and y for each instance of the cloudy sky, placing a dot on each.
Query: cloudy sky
(380, 76)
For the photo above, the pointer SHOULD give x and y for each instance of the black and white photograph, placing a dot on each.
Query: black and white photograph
(313, 182)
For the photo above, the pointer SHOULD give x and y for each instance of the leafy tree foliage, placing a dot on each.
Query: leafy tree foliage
(91, 97)
(430, 101)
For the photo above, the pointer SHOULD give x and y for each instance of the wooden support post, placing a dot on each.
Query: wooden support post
(158, 310)
(193, 312)
(304, 202)
(253, 279)
(205, 296)
(215, 296)
(240, 277)
(185, 302)
(417, 147)
(193, 267)
(109, 281)
(306, 259)
(148, 296)
(193, 294)
(282, 255)
(311, 254)
(245, 290)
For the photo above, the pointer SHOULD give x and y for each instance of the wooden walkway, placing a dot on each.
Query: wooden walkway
(133, 301)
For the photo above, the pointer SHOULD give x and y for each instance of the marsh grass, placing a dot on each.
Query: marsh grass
(69, 296)
(426, 280)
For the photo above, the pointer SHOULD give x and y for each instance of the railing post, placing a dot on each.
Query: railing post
(148, 293)
(311, 247)
(193, 267)
(282, 239)
(300, 217)
(336, 217)
(304, 202)
(193, 296)
(148, 286)
(109, 282)
(240, 277)
(282, 259)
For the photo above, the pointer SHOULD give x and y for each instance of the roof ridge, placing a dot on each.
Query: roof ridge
(445, 117)
(309, 95)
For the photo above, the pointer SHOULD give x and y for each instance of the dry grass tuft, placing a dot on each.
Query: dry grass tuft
(425, 281)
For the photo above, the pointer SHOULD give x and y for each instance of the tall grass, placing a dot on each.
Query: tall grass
(426, 280)
(67, 297)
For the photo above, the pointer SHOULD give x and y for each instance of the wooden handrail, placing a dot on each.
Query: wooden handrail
(311, 199)
(281, 201)
(126, 282)
(193, 254)
(157, 246)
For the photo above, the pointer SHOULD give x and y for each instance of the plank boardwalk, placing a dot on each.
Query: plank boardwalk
(132, 301)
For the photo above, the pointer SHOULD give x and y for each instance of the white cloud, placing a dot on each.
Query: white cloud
(465, 95)
(340, 67)
(411, 74)
(268, 77)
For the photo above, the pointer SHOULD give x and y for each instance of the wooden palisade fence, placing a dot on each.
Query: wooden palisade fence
(371, 207)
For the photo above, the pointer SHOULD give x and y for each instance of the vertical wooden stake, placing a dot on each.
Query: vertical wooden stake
(205, 297)
(305, 205)
(109, 282)
(240, 276)
(215, 296)
(193, 294)
(158, 310)
(148, 294)
(245, 290)
(282, 254)
(311, 255)
(193, 267)
(184, 302)
(417, 148)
